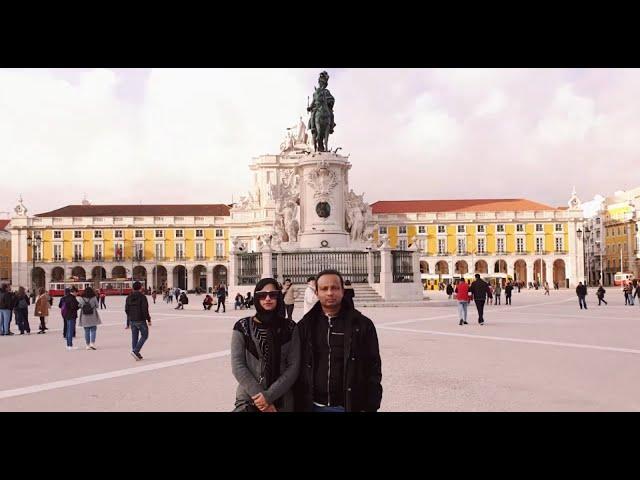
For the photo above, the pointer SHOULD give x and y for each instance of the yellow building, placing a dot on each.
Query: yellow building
(504, 239)
(184, 246)
(5, 252)
(621, 245)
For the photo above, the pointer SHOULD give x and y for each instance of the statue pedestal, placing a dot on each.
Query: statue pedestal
(323, 184)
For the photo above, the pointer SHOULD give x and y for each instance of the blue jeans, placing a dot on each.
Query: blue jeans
(462, 310)
(90, 334)
(71, 331)
(318, 409)
(5, 317)
(581, 302)
(140, 329)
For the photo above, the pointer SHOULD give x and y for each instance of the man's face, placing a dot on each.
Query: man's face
(330, 291)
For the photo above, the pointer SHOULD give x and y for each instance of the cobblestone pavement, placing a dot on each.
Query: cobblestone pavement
(541, 354)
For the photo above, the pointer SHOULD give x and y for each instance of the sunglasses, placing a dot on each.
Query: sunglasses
(264, 295)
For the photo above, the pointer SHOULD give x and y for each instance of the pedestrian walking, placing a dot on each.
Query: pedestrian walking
(221, 294)
(479, 289)
(6, 309)
(289, 297)
(581, 292)
(137, 310)
(69, 307)
(463, 297)
(310, 297)
(449, 290)
(41, 309)
(154, 294)
(21, 311)
(507, 293)
(89, 318)
(600, 294)
(103, 297)
(546, 288)
(497, 293)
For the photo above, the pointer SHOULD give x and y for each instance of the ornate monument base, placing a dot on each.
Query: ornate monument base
(324, 180)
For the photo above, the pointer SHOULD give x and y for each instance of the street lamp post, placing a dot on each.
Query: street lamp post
(35, 242)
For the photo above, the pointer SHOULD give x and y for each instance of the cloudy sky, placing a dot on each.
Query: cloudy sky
(188, 135)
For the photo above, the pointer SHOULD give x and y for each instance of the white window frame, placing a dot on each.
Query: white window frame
(500, 228)
(219, 233)
(159, 248)
(560, 241)
(118, 234)
(541, 229)
(464, 246)
(481, 241)
(201, 233)
(135, 234)
(404, 227)
(442, 229)
(76, 236)
(442, 242)
(461, 228)
(402, 244)
(520, 228)
(57, 234)
(158, 231)
(179, 246)
(97, 235)
(423, 228)
(481, 229)
(500, 245)
(381, 230)
(98, 250)
(179, 233)
(77, 247)
(540, 245)
(115, 250)
(199, 246)
(520, 240)
(219, 249)
(558, 229)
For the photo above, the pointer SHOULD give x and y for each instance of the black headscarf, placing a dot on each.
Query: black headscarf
(269, 332)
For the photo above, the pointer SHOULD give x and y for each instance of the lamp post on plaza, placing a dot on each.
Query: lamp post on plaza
(35, 242)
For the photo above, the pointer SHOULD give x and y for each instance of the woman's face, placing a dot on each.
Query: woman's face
(268, 297)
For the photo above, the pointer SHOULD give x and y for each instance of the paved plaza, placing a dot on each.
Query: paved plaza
(541, 354)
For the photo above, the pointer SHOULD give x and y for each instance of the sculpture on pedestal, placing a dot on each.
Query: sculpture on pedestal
(357, 214)
(321, 121)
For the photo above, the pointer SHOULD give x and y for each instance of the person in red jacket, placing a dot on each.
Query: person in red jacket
(462, 296)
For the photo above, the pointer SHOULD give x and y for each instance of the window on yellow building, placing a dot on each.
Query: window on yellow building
(559, 244)
(138, 234)
(520, 245)
(180, 233)
(117, 234)
(441, 229)
(520, 227)
(500, 228)
(199, 233)
(422, 229)
(402, 244)
(481, 229)
(558, 227)
(442, 246)
(481, 245)
(500, 245)
(77, 234)
(57, 234)
(219, 233)
(159, 233)
(539, 227)
(461, 229)
(97, 234)
(402, 230)
(382, 230)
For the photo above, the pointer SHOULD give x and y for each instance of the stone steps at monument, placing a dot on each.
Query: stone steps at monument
(364, 294)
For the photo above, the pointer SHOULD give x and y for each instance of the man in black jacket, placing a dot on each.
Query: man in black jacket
(137, 308)
(340, 368)
(69, 306)
(479, 289)
(581, 291)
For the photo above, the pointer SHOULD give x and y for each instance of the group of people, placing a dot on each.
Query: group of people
(480, 292)
(630, 291)
(328, 362)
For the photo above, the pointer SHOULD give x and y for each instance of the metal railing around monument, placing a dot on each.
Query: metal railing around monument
(402, 262)
(377, 263)
(249, 268)
(301, 265)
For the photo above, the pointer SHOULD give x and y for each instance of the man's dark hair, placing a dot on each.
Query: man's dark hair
(477, 276)
(287, 280)
(89, 293)
(73, 289)
(137, 286)
(310, 278)
(329, 271)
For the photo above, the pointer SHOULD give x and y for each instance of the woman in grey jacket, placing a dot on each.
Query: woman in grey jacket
(265, 355)
(90, 321)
